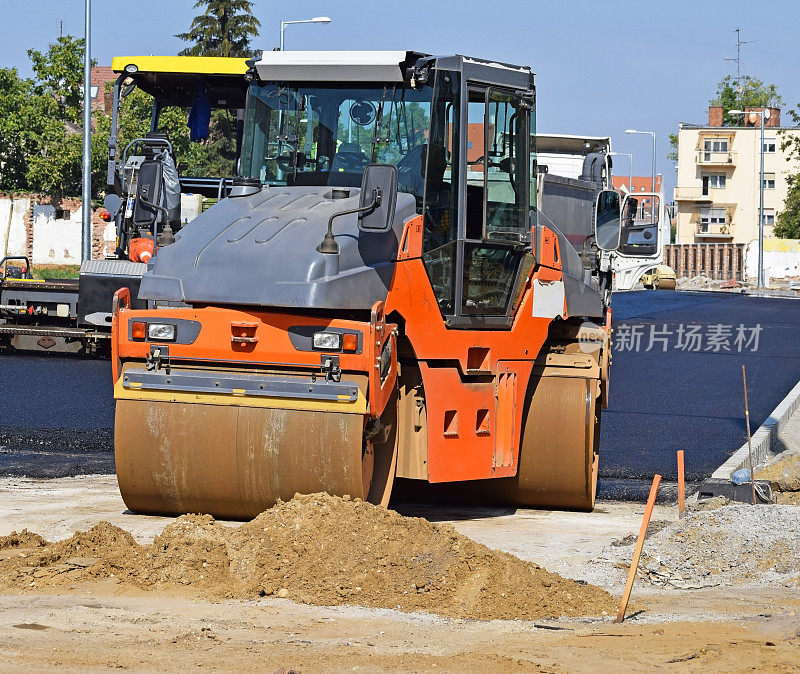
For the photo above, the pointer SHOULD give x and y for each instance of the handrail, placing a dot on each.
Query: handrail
(18, 257)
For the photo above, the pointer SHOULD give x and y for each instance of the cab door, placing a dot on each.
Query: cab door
(641, 220)
(497, 198)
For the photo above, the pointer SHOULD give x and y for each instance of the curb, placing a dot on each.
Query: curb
(763, 439)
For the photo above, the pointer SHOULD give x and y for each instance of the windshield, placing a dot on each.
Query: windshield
(327, 135)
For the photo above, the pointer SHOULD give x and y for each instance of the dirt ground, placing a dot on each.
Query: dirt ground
(97, 625)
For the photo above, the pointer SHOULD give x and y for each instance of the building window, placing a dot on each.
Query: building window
(715, 145)
(712, 216)
(769, 181)
(769, 145)
(717, 181)
(715, 150)
(769, 216)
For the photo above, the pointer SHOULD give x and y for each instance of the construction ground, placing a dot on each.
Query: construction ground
(329, 584)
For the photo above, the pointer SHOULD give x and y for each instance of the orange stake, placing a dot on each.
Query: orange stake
(681, 485)
(648, 511)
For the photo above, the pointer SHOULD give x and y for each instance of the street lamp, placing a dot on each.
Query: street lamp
(764, 114)
(653, 134)
(316, 19)
(86, 201)
(630, 167)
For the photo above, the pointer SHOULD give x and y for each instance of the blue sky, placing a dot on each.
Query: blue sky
(602, 66)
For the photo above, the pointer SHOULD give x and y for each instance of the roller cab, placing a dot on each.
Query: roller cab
(378, 297)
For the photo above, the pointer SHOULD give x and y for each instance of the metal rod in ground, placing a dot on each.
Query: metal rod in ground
(749, 444)
(681, 484)
(648, 511)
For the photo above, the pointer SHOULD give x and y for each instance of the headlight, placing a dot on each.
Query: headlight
(329, 341)
(163, 332)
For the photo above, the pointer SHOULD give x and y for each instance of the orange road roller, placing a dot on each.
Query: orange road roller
(380, 295)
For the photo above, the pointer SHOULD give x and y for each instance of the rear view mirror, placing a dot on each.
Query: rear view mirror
(378, 198)
(376, 205)
(112, 204)
(608, 220)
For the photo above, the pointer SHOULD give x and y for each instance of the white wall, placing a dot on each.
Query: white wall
(12, 232)
(56, 241)
(781, 259)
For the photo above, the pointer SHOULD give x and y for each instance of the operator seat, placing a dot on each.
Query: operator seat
(158, 191)
(349, 157)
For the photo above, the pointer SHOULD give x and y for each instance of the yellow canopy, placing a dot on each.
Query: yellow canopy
(190, 65)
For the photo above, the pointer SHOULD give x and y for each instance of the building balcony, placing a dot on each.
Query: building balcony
(709, 158)
(692, 194)
(716, 232)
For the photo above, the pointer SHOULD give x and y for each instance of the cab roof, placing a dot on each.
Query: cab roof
(382, 66)
(174, 80)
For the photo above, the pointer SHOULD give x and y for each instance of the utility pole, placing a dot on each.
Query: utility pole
(86, 202)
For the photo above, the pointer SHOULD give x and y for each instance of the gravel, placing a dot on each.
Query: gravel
(732, 545)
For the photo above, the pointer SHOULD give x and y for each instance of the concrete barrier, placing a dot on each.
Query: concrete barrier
(781, 259)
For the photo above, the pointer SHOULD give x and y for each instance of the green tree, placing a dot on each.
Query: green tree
(17, 139)
(672, 155)
(40, 122)
(787, 225)
(59, 75)
(754, 94)
(223, 29)
(56, 113)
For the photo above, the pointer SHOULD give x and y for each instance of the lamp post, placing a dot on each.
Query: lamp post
(86, 200)
(763, 114)
(630, 166)
(316, 19)
(653, 134)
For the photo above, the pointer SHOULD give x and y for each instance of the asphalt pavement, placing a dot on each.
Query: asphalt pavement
(56, 416)
(676, 384)
(680, 387)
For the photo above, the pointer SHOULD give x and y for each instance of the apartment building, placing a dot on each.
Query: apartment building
(717, 191)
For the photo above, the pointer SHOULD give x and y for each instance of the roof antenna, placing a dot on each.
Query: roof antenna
(738, 62)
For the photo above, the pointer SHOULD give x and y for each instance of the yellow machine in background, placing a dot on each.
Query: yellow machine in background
(660, 278)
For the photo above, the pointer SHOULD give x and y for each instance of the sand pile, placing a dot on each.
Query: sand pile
(23, 539)
(732, 545)
(784, 476)
(315, 549)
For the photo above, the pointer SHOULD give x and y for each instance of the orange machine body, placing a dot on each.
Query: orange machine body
(475, 381)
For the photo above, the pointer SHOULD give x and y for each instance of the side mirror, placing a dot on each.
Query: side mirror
(608, 220)
(112, 204)
(378, 198)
